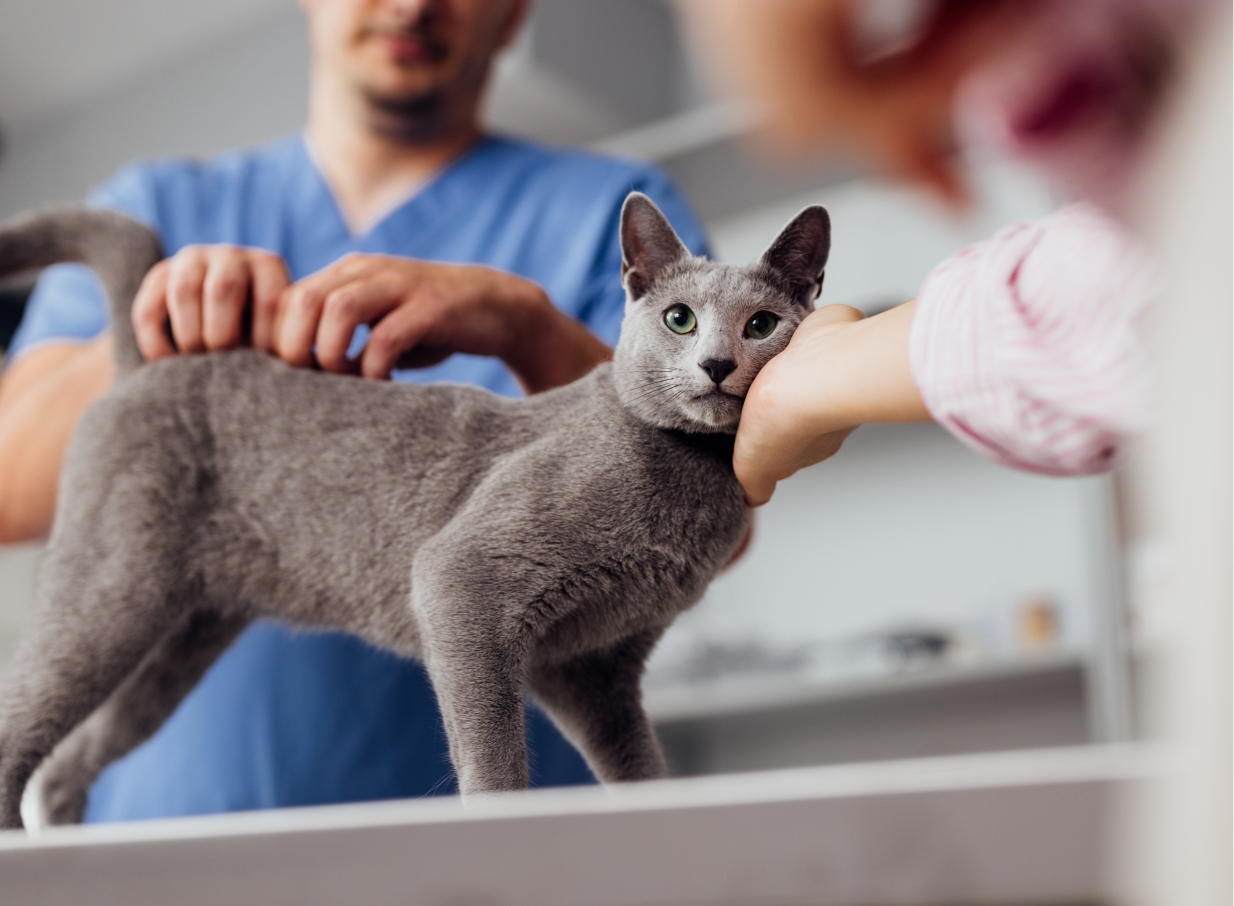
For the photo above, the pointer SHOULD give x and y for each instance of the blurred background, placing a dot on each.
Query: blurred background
(906, 598)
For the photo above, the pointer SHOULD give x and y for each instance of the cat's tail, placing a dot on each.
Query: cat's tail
(116, 247)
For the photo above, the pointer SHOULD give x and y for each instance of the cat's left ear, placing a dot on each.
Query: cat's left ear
(799, 255)
(648, 244)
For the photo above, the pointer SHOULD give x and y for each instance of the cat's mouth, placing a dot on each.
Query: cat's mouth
(718, 395)
(716, 409)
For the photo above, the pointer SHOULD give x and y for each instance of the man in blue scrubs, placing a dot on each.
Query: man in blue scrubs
(392, 232)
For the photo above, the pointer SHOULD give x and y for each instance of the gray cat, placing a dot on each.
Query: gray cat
(544, 542)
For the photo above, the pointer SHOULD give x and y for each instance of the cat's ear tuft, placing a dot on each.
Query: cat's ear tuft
(799, 254)
(649, 244)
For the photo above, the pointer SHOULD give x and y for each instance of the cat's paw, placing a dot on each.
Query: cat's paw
(62, 796)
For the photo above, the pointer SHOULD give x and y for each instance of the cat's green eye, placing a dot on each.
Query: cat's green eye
(680, 319)
(761, 324)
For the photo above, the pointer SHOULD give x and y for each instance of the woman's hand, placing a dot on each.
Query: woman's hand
(839, 371)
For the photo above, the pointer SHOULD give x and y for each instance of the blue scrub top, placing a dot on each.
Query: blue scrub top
(288, 717)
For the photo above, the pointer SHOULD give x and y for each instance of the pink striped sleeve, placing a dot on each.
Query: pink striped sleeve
(1026, 346)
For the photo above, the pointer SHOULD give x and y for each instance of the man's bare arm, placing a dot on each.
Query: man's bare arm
(41, 398)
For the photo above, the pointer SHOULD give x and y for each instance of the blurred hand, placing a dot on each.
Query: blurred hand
(420, 312)
(206, 293)
(836, 73)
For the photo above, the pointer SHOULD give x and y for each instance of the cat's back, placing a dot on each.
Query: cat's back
(268, 433)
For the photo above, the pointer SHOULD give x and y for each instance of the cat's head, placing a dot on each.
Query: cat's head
(695, 332)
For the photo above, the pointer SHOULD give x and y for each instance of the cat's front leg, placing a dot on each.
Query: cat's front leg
(477, 675)
(596, 701)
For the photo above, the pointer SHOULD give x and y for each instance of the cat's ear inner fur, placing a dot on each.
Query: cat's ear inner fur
(649, 245)
(799, 254)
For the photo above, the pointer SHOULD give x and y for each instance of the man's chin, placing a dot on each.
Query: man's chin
(406, 110)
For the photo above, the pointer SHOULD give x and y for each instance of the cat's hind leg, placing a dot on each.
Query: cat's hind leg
(106, 598)
(62, 673)
(595, 700)
(134, 711)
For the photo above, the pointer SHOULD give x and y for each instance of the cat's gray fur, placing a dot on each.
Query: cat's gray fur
(546, 541)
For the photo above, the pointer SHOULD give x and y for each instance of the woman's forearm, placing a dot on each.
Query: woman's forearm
(41, 398)
(861, 372)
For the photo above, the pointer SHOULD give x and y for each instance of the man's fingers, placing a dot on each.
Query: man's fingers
(270, 278)
(184, 299)
(393, 335)
(299, 313)
(346, 307)
(225, 292)
(149, 314)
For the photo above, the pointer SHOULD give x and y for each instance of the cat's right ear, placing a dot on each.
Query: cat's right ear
(648, 244)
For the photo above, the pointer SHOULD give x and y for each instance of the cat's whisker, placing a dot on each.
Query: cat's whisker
(653, 391)
(659, 385)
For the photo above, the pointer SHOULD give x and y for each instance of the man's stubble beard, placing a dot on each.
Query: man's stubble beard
(417, 118)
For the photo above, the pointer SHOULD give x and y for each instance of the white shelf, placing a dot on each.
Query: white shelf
(744, 694)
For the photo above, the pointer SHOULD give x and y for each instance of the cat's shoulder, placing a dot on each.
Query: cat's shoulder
(605, 440)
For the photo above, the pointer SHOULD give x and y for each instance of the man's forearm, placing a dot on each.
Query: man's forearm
(41, 399)
(552, 349)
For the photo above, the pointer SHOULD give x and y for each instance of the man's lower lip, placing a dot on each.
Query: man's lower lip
(406, 49)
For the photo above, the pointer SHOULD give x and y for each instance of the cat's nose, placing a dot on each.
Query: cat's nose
(718, 369)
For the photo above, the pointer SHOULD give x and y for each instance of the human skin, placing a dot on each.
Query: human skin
(394, 95)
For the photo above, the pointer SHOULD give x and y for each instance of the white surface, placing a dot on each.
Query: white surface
(1010, 828)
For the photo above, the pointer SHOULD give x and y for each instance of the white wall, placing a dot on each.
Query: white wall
(247, 88)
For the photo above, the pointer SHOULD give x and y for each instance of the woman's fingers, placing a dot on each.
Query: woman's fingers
(824, 319)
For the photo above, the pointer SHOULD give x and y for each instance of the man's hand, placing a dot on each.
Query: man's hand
(421, 312)
(210, 295)
(839, 371)
(220, 297)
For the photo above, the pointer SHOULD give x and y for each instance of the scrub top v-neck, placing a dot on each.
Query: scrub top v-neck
(289, 718)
